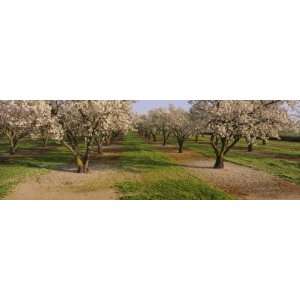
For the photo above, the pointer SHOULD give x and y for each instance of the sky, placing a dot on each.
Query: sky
(143, 106)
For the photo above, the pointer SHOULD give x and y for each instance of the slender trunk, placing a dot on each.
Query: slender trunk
(219, 164)
(264, 142)
(106, 141)
(12, 150)
(86, 159)
(79, 164)
(166, 136)
(154, 137)
(164, 140)
(148, 138)
(45, 141)
(250, 147)
(86, 165)
(99, 146)
(196, 138)
(13, 146)
(180, 146)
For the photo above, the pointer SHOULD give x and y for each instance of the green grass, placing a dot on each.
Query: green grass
(278, 158)
(159, 177)
(12, 174)
(31, 159)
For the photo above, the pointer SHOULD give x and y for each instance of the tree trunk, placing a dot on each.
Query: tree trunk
(196, 138)
(250, 147)
(45, 141)
(99, 146)
(86, 165)
(86, 159)
(13, 146)
(148, 138)
(219, 164)
(264, 142)
(180, 146)
(154, 137)
(164, 140)
(82, 164)
(12, 150)
(79, 164)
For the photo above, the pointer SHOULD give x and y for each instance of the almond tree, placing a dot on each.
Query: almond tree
(229, 121)
(81, 122)
(152, 119)
(115, 125)
(295, 116)
(46, 121)
(181, 125)
(144, 127)
(270, 117)
(19, 119)
(199, 122)
(161, 121)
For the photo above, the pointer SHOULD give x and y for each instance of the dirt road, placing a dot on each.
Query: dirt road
(239, 181)
(68, 185)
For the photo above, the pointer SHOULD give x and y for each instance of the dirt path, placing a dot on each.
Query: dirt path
(242, 182)
(66, 184)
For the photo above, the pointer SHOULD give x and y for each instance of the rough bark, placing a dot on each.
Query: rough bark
(164, 141)
(250, 147)
(45, 141)
(13, 146)
(180, 146)
(79, 164)
(82, 164)
(219, 164)
(12, 150)
(221, 146)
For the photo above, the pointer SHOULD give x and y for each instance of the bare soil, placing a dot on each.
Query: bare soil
(239, 181)
(66, 184)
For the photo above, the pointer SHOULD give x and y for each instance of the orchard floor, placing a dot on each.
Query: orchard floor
(65, 184)
(239, 181)
(139, 173)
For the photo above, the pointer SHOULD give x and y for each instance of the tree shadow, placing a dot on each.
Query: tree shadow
(195, 167)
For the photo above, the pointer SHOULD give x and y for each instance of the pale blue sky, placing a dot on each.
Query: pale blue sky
(144, 105)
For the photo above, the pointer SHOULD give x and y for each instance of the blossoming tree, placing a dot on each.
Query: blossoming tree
(115, 124)
(229, 121)
(161, 120)
(181, 125)
(21, 118)
(81, 122)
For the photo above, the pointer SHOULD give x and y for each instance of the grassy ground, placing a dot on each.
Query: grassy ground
(159, 177)
(277, 157)
(155, 176)
(30, 160)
